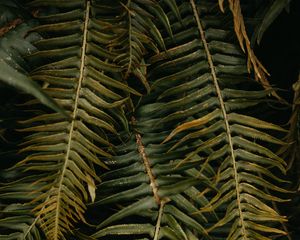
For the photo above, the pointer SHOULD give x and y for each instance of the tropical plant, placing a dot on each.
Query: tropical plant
(151, 125)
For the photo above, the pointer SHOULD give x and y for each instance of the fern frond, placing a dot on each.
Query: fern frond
(73, 65)
(17, 222)
(260, 71)
(145, 180)
(133, 31)
(274, 9)
(210, 113)
(15, 45)
(290, 151)
(154, 198)
(188, 160)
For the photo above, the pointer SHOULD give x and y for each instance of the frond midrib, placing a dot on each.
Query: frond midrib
(224, 113)
(129, 39)
(32, 225)
(74, 114)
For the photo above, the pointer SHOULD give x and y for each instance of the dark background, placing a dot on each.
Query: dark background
(279, 50)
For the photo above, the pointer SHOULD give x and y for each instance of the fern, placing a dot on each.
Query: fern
(22, 225)
(160, 136)
(233, 137)
(203, 93)
(15, 45)
(81, 72)
(65, 148)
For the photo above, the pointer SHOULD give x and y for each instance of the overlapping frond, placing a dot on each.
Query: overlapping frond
(209, 100)
(153, 197)
(22, 226)
(188, 160)
(15, 44)
(252, 61)
(135, 30)
(159, 199)
(17, 220)
(291, 151)
(76, 69)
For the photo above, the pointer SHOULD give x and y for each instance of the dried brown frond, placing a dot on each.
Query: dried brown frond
(260, 72)
(10, 25)
(290, 152)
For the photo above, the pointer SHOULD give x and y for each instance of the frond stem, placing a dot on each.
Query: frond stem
(127, 7)
(81, 76)
(31, 226)
(141, 149)
(158, 223)
(224, 113)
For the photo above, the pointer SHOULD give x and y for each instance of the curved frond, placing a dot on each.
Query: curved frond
(17, 219)
(75, 66)
(290, 152)
(209, 102)
(203, 93)
(275, 8)
(252, 61)
(17, 222)
(152, 196)
(162, 138)
(159, 199)
(14, 46)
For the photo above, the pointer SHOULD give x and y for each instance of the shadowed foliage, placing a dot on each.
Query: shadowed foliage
(151, 125)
